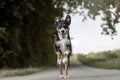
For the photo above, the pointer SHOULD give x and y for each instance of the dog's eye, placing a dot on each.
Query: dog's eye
(65, 27)
(59, 27)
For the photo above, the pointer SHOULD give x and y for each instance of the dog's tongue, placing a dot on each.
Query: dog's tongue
(63, 35)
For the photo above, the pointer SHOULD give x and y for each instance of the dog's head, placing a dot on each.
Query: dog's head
(62, 26)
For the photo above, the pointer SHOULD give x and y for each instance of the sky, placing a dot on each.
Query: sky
(87, 36)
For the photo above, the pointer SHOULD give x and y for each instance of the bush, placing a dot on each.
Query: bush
(105, 59)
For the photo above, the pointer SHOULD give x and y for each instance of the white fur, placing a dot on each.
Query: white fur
(61, 76)
(63, 42)
(66, 53)
(59, 61)
(64, 59)
(66, 77)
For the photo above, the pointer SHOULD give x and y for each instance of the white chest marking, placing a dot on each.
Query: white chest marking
(63, 42)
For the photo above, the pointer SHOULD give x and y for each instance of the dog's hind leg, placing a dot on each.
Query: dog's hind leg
(59, 61)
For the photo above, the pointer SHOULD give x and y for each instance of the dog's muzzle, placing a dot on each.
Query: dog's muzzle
(63, 33)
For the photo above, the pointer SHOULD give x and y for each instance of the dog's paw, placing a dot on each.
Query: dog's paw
(65, 59)
(66, 53)
(59, 61)
(61, 76)
(66, 77)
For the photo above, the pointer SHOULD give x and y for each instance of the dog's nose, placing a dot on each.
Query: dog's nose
(62, 31)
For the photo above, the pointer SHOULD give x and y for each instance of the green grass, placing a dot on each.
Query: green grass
(104, 60)
(19, 72)
(109, 64)
(74, 57)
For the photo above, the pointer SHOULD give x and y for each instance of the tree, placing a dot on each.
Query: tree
(28, 26)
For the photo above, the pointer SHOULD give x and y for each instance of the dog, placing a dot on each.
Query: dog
(62, 44)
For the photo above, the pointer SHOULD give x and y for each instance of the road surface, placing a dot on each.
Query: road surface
(77, 71)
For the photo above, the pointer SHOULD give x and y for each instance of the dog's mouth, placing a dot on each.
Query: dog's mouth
(63, 35)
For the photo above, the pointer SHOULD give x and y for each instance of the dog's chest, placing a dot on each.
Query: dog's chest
(63, 43)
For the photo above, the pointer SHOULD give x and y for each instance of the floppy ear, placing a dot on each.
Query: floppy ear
(57, 19)
(68, 19)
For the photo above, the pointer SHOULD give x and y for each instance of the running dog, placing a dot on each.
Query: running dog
(62, 44)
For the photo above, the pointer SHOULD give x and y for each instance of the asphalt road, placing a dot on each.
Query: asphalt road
(77, 71)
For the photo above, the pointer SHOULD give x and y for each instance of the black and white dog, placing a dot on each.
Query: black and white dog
(62, 44)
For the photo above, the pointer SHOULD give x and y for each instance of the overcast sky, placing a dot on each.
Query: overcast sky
(87, 36)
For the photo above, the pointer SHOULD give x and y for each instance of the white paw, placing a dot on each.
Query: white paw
(65, 59)
(59, 61)
(61, 76)
(66, 77)
(66, 52)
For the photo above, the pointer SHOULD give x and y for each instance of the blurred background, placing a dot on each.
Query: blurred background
(87, 36)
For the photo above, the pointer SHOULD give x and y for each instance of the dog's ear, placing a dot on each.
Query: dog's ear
(68, 19)
(57, 19)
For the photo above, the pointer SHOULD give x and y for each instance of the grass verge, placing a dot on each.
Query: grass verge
(20, 72)
(104, 60)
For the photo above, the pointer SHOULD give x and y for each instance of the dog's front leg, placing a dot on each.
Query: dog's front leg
(66, 67)
(67, 51)
(59, 61)
(68, 47)
(66, 61)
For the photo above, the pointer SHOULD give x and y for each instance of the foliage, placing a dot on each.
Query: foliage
(109, 10)
(75, 57)
(105, 59)
(26, 29)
